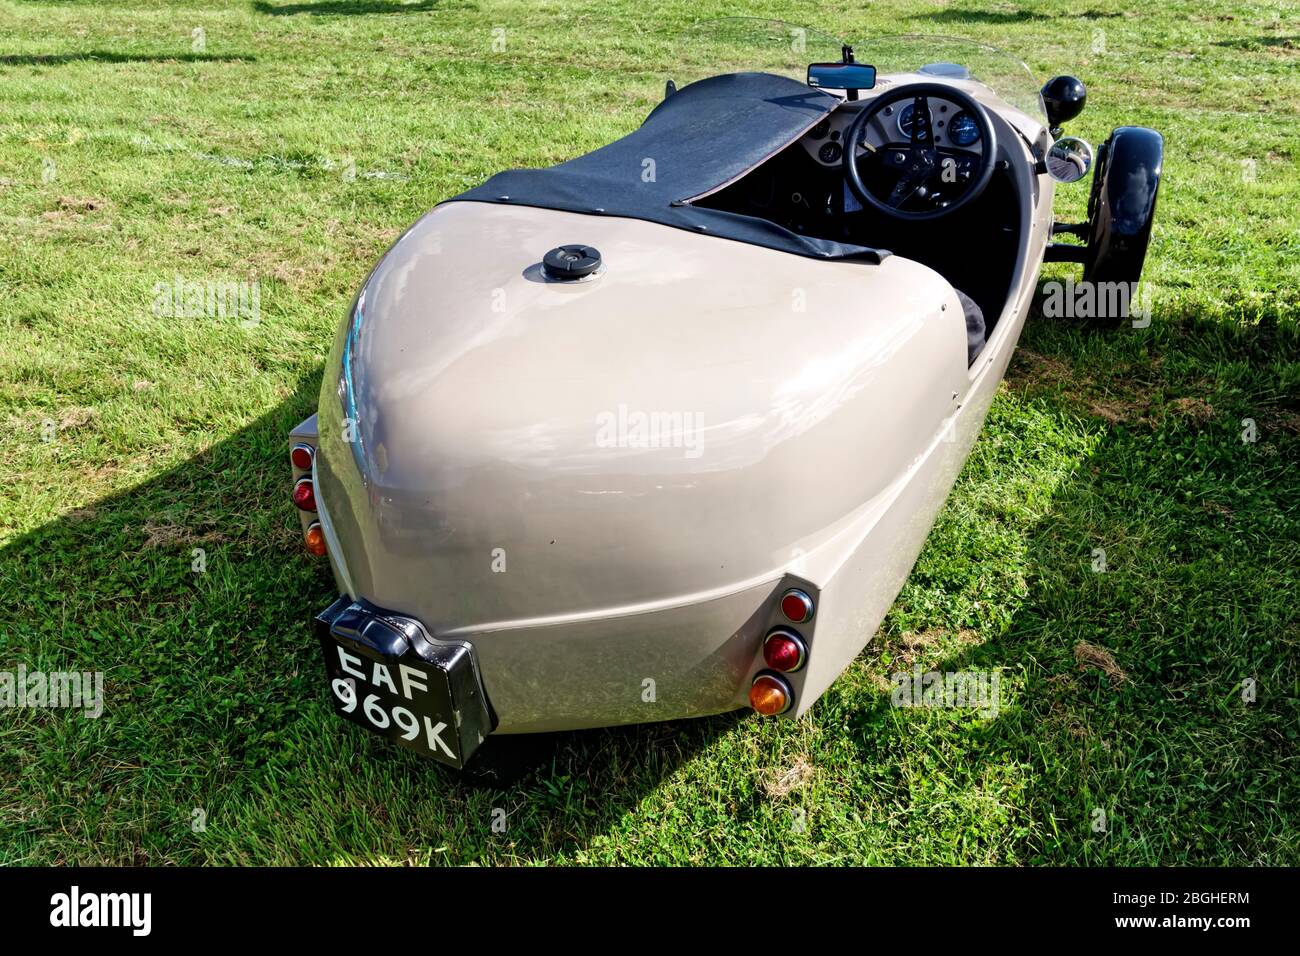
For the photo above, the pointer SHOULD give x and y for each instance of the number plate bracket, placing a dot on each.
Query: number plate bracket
(398, 677)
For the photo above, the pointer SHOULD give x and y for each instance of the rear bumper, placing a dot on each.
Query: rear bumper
(669, 663)
(691, 656)
(665, 663)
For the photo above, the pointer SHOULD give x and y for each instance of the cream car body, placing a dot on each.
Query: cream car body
(604, 487)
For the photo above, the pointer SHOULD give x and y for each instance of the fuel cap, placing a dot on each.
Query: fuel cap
(571, 262)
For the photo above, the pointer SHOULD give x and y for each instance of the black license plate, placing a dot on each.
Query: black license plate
(386, 674)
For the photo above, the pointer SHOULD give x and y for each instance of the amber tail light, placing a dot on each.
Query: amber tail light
(313, 539)
(770, 695)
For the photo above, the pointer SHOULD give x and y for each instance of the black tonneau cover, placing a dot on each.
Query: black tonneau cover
(696, 141)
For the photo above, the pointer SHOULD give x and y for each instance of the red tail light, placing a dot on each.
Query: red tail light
(784, 650)
(796, 606)
(301, 456)
(304, 495)
(314, 539)
(770, 695)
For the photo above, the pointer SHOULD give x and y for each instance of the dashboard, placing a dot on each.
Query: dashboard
(804, 189)
(953, 130)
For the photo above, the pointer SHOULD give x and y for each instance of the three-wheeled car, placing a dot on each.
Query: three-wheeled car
(659, 432)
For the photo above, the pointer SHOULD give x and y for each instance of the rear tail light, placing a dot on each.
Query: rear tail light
(796, 606)
(784, 650)
(302, 456)
(770, 695)
(304, 494)
(314, 539)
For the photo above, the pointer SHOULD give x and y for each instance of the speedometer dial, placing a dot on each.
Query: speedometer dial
(905, 117)
(963, 131)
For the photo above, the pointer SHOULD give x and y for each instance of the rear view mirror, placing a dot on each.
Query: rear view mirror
(841, 76)
(1069, 159)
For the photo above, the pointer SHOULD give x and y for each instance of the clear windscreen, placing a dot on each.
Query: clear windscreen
(1007, 76)
(751, 44)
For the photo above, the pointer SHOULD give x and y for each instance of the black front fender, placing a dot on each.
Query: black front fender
(1122, 205)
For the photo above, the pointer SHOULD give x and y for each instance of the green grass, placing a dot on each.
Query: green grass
(169, 434)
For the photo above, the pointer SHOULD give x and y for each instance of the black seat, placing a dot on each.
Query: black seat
(974, 325)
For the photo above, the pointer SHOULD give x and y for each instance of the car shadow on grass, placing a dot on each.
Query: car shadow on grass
(1148, 663)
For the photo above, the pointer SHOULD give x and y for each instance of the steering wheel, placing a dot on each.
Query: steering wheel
(918, 169)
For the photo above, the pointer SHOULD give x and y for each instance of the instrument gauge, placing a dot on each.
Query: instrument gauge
(905, 116)
(963, 130)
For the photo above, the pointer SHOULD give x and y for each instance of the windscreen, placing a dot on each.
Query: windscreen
(751, 44)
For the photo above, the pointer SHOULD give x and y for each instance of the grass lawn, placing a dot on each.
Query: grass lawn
(290, 142)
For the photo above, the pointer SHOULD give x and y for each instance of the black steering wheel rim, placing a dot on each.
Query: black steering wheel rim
(923, 157)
